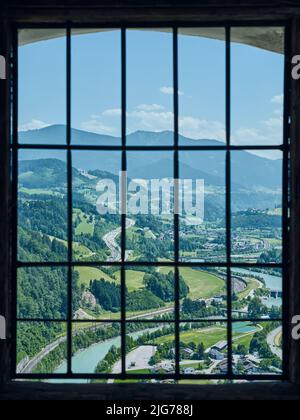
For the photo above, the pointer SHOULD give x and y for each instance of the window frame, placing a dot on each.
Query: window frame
(176, 148)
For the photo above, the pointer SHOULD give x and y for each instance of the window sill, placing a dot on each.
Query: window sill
(105, 392)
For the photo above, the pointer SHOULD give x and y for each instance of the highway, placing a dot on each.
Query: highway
(32, 364)
(110, 240)
(271, 340)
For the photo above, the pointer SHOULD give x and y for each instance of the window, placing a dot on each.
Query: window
(161, 290)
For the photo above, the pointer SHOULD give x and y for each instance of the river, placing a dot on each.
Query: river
(272, 283)
(87, 360)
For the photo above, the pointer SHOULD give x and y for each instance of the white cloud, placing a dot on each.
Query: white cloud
(274, 123)
(168, 90)
(150, 120)
(33, 125)
(154, 117)
(278, 99)
(116, 112)
(248, 136)
(96, 126)
(267, 132)
(152, 107)
(196, 128)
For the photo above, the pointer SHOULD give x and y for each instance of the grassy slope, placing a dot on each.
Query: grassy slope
(202, 284)
(208, 336)
(84, 227)
(252, 284)
(86, 274)
(134, 280)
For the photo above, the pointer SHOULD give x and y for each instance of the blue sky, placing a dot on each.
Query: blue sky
(257, 86)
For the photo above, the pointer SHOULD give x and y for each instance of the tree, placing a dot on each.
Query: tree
(256, 309)
(201, 351)
(241, 350)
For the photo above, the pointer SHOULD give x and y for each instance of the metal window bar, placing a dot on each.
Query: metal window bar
(176, 264)
(228, 195)
(70, 204)
(124, 209)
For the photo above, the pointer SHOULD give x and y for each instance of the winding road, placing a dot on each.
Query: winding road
(110, 240)
(271, 340)
(32, 364)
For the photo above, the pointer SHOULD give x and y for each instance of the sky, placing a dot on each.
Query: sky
(257, 86)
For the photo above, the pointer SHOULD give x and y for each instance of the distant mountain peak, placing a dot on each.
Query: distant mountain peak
(56, 134)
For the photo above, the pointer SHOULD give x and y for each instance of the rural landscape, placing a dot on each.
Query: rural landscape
(150, 290)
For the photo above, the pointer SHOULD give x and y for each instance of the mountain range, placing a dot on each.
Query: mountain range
(254, 179)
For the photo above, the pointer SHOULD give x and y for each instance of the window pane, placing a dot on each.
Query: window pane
(203, 349)
(206, 297)
(41, 347)
(96, 218)
(202, 86)
(150, 349)
(96, 87)
(42, 86)
(257, 348)
(150, 117)
(203, 192)
(42, 293)
(96, 293)
(256, 208)
(257, 86)
(150, 227)
(151, 292)
(95, 347)
(42, 206)
(257, 293)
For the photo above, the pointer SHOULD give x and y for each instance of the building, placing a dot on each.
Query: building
(188, 352)
(222, 367)
(217, 355)
(152, 14)
(220, 346)
(189, 371)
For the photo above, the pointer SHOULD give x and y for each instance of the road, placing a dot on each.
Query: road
(153, 313)
(271, 340)
(32, 364)
(110, 240)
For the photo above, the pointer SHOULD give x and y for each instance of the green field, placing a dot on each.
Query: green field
(80, 250)
(244, 340)
(86, 274)
(208, 337)
(39, 191)
(134, 279)
(84, 227)
(252, 284)
(202, 285)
